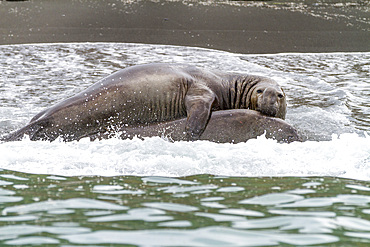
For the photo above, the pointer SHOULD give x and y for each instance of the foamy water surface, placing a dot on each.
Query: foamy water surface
(328, 102)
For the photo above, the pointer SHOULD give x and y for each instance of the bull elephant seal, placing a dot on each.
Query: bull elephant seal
(229, 126)
(154, 93)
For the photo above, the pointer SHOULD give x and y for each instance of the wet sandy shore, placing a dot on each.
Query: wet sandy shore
(237, 26)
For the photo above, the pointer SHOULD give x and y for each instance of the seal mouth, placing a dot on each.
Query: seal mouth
(270, 110)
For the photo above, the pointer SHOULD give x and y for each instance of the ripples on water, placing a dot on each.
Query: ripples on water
(199, 210)
(249, 195)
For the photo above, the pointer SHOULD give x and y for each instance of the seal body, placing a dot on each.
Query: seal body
(229, 126)
(154, 93)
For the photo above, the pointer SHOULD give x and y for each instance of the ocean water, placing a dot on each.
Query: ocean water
(156, 193)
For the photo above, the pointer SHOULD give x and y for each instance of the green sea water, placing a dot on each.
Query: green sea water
(201, 210)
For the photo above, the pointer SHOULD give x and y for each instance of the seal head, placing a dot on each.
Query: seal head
(269, 99)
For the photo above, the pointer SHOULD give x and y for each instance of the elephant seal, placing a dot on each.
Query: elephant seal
(154, 93)
(228, 126)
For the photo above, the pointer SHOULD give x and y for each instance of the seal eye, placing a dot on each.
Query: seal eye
(280, 95)
(259, 91)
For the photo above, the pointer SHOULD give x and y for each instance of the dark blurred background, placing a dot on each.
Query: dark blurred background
(236, 26)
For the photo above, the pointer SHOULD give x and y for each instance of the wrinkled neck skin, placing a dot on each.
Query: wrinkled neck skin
(237, 90)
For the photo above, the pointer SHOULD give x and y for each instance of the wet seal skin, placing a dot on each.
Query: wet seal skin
(229, 126)
(154, 93)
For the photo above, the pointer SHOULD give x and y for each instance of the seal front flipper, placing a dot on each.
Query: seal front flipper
(198, 103)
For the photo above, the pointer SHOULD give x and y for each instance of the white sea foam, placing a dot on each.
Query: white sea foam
(328, 102)
(347, 155)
